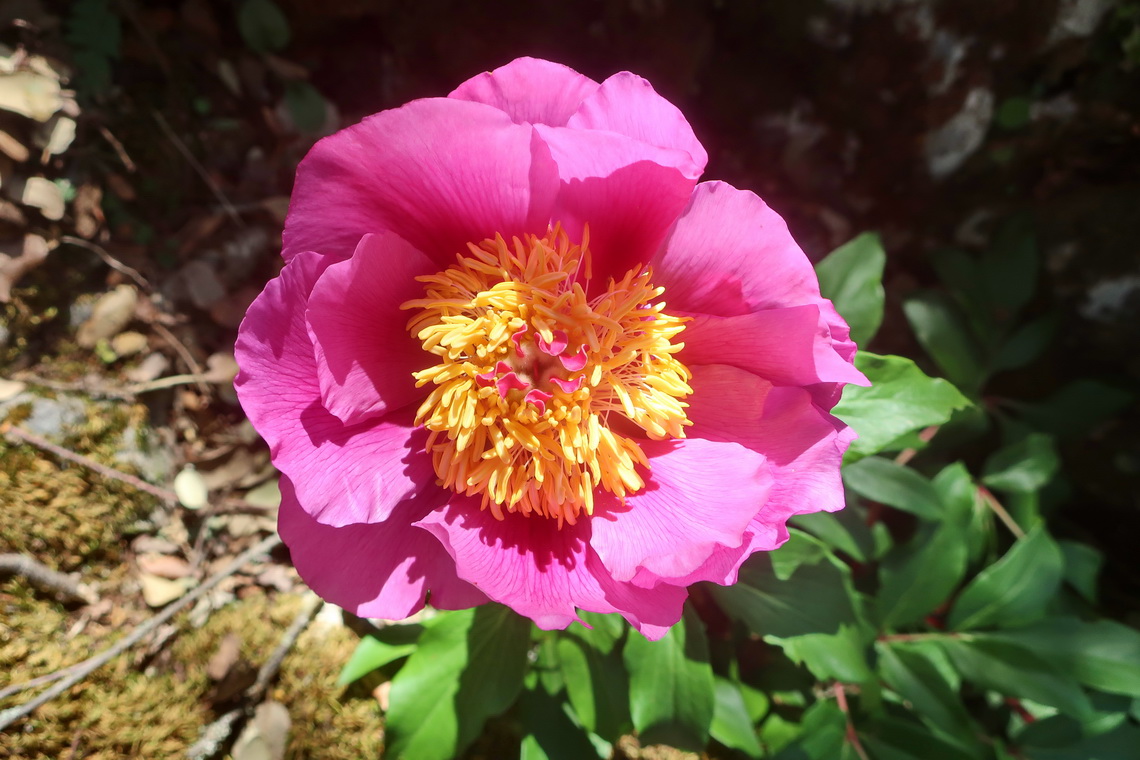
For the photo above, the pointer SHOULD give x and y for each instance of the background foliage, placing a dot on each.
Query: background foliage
(935, 618)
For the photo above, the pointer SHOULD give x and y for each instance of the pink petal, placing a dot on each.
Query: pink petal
(365, 356)
(790, 346)
(382, 570)
(530, 90)
(439, 172)
(803, 445)
(730, 254)
(545, 573)
(699, 497)
(628, 105)
(627, 191)
(343, 474)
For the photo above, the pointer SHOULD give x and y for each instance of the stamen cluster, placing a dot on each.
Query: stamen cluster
(538, 386)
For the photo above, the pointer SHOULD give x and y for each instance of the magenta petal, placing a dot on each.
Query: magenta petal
(343, 474)
(365, 356)
(627, 192)
(544, 572)
(700, 496)
(790, 346)
(382, 570)
(730, 254)
(803, 445)
(627, 104)
(555, 347)
(530, 90)
(439, 172)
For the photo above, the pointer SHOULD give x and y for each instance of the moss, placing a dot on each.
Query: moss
(62, 514)
(121, 712)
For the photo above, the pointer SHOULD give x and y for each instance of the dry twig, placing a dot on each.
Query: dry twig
(215, 734)
(73, 674)
(108, 259)
(995, 505)
(46, 579)
(17, 434)
(197, 166)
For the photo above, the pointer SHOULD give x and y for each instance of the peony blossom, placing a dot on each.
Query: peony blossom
(518, 353)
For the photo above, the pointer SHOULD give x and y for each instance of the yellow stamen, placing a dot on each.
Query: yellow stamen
(530, 373)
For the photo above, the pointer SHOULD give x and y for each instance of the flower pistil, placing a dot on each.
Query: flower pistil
(539, 387)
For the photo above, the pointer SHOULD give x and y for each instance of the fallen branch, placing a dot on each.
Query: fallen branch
(17, 434)
(73, 674)
(218, 732)
(44, 578)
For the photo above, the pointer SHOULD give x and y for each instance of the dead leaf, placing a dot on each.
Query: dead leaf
(13, 148)
(202, 284)
(9, 389)
(163, 565)
(30, 94)
(111, 314)
(266, 736)
(128, 343)
(158, 592)
(45, 195)
(16, 259)
(221, 368)
(191, 489)
(148, 369)
(380, 694)
(57, 136)
(88, 210)
(223, 660)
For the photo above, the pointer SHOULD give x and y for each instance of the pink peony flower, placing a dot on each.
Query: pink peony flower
(517, 353)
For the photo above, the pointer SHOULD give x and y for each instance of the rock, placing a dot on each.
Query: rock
(11, 388)
(111, 314)
(947, 147)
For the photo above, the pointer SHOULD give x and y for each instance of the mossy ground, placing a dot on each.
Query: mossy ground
(144, 705)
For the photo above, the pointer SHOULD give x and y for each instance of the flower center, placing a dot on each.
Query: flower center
(534, 379)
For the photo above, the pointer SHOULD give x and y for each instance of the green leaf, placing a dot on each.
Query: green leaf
(891, 738)
(825, 732)
(799, 549)
(939, 328)
(846, 536)
(1059, 738)
(1013, 113)
(852, 277)
(94, 28)
(1026, 343)
(549, 733)
(1016, 671)
(1014, 590)
(1082, 568)
(1103, 654)
(1009, 267)
(375, 652)
(731, 724)
(816, 598)
(918, 577)
(263, 26)
(1024, 466)
(1077, 407)
(900, 400)
(957, 492)
(597, 685)
(840, 656)
(892, 484)
(672, 697)
(468, 667)
(306, 107)
(918, 681)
